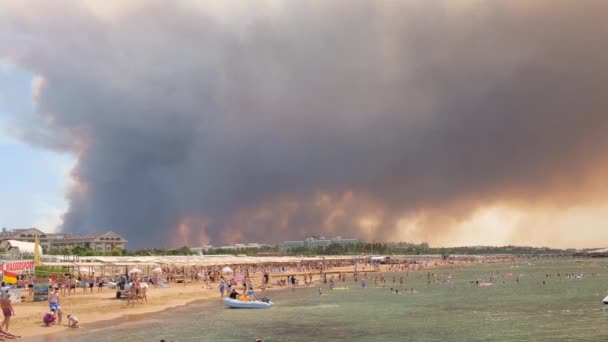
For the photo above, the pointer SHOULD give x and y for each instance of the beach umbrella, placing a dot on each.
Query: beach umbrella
(157, 270)
(134, 271)
(227, 270)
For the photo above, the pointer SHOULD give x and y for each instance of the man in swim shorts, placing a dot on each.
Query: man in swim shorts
(53, 300)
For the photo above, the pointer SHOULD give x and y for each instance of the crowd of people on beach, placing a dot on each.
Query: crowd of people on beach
(247, 282)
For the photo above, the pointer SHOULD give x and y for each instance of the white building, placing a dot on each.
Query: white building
(18, 248)
(105, 242)
(320, 242)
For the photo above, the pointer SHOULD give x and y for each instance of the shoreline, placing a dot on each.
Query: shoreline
(97, 316)
(98, 310)
(130, 318)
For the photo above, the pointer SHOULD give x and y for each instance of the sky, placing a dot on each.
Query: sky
(34, 180)
(455, 122)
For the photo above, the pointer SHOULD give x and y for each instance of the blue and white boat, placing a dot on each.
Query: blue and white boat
(241, 304)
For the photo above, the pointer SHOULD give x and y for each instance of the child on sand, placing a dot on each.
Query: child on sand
(73, 321)
(48, 319)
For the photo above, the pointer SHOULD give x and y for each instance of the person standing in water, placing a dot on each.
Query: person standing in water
(251, 294)
(222, 286)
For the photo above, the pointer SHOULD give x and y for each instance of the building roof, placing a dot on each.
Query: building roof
(91, 237)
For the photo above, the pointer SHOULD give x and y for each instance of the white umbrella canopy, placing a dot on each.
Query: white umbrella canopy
(227, 270)
(157, 270)
(135, 270)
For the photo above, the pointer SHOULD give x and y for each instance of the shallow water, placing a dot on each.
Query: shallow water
(561, 310)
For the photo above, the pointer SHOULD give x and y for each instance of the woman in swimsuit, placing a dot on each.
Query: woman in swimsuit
(7, 310)
(222, 289)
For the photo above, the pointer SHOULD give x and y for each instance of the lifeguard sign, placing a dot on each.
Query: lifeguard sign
(19, 267)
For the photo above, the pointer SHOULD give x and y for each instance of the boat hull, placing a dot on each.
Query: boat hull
(239, 304)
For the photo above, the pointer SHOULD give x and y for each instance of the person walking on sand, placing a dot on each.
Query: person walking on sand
(7, 310)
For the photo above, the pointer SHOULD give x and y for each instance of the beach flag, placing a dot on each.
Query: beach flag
(9, 277)
(37, 251)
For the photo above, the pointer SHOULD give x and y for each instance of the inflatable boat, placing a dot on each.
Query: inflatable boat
(606, 300)
(241, 304)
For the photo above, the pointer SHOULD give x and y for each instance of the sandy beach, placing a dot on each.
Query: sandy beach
(98, 307)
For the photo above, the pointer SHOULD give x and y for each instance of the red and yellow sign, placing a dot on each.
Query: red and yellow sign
(18, 266)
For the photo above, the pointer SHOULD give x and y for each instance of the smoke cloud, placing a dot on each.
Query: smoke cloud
(198, 122)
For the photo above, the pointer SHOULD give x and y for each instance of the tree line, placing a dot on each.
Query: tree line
(361, 248)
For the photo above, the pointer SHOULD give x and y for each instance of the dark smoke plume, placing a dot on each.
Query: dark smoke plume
(198, 123)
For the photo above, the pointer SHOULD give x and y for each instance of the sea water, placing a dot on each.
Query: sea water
(447, 306)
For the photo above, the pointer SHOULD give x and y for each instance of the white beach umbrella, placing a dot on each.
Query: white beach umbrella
(227, 270)
(135, 270)
(157, 270)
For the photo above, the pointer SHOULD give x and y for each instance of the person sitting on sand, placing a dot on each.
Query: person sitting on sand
(48, 319)
(73, 321)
